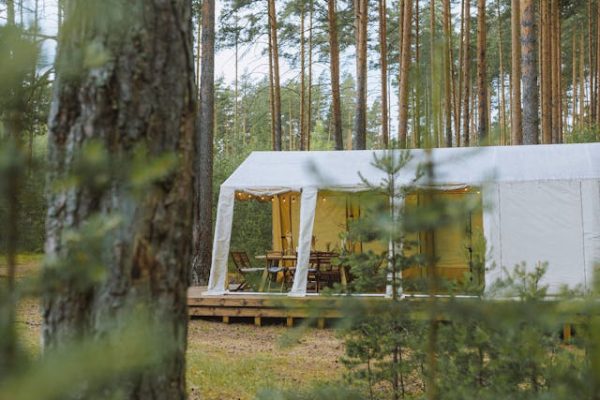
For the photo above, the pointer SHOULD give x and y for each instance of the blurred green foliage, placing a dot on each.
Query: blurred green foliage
(584, 134)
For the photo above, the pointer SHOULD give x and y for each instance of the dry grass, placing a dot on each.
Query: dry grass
(225, 361)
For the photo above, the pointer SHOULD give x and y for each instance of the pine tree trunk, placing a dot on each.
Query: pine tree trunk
(501, 85)
(334, 50)
(516, 116)
(302, 83)
(276, 81)
(466, 64)
(502, 112)
(308, 125)
(574, 87)
(271, 86)
(529, 70)
(360, 116)
(591, 55)
(144, 97)
(582, 93)
(434, 104)
(546, 73)
(483, 128)
(400, 44)
(555, 68)
(561, 92)
(416, 136)
(597, 105)
(236, 91)
(204, 140)
(461, 49)
(404, 72)
(447, 75)
(383, 60)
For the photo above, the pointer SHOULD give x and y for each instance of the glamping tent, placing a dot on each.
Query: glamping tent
(542, 203)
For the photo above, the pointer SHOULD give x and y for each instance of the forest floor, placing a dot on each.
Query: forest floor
(226, 362)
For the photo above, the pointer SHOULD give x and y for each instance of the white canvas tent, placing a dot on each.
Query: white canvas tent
(543, 202)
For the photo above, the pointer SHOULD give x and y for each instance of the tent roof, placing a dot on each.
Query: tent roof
(273, 172)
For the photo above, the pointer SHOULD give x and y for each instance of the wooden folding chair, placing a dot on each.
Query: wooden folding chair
(328, 273)
(243, 266)
(274, 267)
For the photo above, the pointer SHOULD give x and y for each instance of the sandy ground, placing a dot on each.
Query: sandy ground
(232, 361)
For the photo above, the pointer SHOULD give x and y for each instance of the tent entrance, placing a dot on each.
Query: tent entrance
(457, 248)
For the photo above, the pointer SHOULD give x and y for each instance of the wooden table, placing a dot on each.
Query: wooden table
(314, 259)
(267, 258)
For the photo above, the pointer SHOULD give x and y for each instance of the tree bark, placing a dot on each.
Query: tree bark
(482, 129)
(516, 116)
(529, 66)
(502, 114)
(416, 135)
(360, 117)
(400, 41)
(546, 72)
(459, 98)
(574, 87)
(302, 83)
(560, 90)
(271, 87)
(143, 97)
(404, 72)
(466, 64)
(204, 142)
(591, 63)
(447, 74)
(383, 60)
(276, 81)
(597, 105)
(236, 91)
(555, 68)
(582, 94)
(334, 50)
(308, 126)
(435, 75)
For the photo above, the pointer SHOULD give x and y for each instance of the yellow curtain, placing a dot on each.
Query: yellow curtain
(330, 220)
(286, 220)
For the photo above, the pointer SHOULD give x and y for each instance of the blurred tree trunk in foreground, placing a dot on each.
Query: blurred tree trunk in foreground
(125, 82)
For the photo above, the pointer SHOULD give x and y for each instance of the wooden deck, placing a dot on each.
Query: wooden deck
(262, 306)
